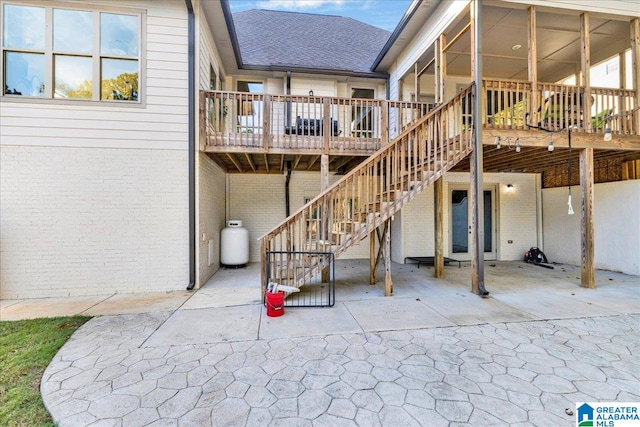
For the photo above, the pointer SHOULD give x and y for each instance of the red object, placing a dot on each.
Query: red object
(275, 303)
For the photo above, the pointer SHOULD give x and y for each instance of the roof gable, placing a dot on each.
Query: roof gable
(271, 39)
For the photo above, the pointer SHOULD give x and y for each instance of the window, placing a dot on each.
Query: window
(51, 52)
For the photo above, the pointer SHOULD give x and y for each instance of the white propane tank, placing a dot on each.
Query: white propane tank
(234, 244)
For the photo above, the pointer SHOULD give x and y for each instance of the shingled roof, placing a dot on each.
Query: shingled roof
(278, 40)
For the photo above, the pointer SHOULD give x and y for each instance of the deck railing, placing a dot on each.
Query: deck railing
(514, 104)
(305, 123)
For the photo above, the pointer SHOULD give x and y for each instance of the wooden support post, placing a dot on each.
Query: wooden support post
(388, 283)
(324, 172)
(635, 70)
(585, 60)
(442, 73)
(622, 72)
(326, 220)
(416, 87)
(326, 124)
(384, 118)
(586, 220)
(266, 123)
(477, 202)
(436, 72)
(372, 258)
(416, 69)
(532, 63)
(438, 192)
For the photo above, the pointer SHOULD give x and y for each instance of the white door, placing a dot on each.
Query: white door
(460, 246)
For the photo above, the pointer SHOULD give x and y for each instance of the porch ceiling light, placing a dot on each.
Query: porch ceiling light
(607, 130)
(516, 46)
(509, 187)
(497, 142)
(517, 145)
(551, 147)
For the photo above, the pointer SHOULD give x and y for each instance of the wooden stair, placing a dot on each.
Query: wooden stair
(368, 196)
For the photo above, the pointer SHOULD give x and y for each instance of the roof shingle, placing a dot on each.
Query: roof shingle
(302, 40)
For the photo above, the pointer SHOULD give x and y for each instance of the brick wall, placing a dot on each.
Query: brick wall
(211, 215)
(86, 221)
(516, 217)
(259, 201)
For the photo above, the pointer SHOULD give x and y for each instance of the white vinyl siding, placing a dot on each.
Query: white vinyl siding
(159, 123)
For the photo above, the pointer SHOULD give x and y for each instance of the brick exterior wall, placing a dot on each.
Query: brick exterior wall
(211, 215)
(88, 221)
(259, 201)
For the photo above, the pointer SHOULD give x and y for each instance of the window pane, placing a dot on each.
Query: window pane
(120, 79)
(118, 35)
(460, 220)
(24, 74)
(23, 27)
(72, 31)
(73, 77)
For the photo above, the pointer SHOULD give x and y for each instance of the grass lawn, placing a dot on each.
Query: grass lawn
(26, 348)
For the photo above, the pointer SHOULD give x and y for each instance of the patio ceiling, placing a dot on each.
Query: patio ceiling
(505, 159)
(558, 42)
(278, 163)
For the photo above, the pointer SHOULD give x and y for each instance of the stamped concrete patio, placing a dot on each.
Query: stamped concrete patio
(433, 354)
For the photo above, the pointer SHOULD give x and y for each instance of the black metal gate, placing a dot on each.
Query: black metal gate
(313, 273)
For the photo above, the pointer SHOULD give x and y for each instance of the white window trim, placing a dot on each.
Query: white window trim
(95, 55)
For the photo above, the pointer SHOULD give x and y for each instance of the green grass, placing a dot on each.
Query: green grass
(26, 348)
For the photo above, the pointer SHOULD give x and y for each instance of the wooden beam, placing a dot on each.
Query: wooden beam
(312, 161)
(635, 68)
(296, 161)
(585, 64)
(535, 138)
(235, 161)
(532, 60)
(586, 220)
(438, 263)
(251, 162)
(457, 36)
(426, 67)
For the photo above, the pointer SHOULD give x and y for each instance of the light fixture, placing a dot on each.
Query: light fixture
(497, 142)
(516, 46)
(509, 187)
(570, 210)
(550, 147)
(311, 93)
(517, 145)
(607, 130)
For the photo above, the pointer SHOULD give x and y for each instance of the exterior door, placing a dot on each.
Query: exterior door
(460, 223)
